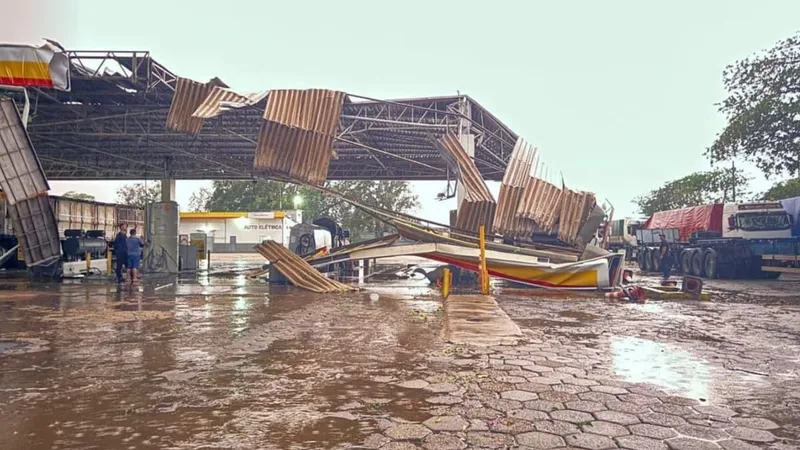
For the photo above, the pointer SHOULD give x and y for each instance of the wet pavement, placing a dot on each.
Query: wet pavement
(227, 362)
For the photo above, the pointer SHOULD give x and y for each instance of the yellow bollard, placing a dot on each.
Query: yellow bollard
(483, 275)
(88, 263)
(447, 281)
(108, 259)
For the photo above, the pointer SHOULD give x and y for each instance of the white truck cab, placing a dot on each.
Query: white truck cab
(767, 220)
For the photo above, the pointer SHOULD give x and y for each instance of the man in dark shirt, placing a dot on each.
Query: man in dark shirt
(121, 252)
(665, 257)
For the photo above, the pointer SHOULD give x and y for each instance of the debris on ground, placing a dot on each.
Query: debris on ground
(297, 271)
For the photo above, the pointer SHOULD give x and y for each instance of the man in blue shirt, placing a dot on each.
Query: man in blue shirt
(134, 246)
(121, 252)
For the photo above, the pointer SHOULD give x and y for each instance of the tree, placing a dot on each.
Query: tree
(700, 188)
(762, 108)
(782, 190)
(263, 196)
(198, 201)
(389, 195)
(275, 195)
(79, 196)
(139, 194)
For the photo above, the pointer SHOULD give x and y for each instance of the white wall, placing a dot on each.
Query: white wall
(246, 230)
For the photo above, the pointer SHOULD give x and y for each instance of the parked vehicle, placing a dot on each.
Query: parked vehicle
(88, 220)
(748, 240)
(622, 236)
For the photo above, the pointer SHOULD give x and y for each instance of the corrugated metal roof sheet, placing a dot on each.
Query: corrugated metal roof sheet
(189, 94)
(297, 135)
(575, 209)
(21, 174)
(35, 225)
(506, 221)
(298, 271)
(478, 206)
(318, 110)
(541, 203)
(222, 99)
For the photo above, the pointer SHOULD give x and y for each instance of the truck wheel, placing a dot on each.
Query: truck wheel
(655, 260)
(686, 261)
(646, 263)
(770, 275)
(710, 263)
(697, 263)
(640, 259)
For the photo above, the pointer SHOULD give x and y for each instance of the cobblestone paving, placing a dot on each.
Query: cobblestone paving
(557, 388)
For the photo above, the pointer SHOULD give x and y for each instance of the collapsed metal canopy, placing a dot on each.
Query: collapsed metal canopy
(112, 126)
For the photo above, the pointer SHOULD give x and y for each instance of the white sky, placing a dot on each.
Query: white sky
(618, 95)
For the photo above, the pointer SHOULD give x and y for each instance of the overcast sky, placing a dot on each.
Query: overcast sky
(618, 95)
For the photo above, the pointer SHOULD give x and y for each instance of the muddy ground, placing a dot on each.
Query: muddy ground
(226, 362)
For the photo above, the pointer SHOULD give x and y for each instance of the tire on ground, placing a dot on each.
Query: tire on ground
(697, 263)
(686, 261)
(710, 263)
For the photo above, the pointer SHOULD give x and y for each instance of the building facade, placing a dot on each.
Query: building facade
(238, 232)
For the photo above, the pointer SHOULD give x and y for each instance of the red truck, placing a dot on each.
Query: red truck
(747, 240)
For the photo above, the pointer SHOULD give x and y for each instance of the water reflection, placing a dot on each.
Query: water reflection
(644, 361)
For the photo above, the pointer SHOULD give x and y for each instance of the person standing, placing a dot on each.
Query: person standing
(134, 246)
(665, 256)
(121, 252)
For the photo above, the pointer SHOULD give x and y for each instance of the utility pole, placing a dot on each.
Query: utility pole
(733, 179)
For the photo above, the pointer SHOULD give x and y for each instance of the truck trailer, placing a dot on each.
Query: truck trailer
(85, 229)
(734, 241)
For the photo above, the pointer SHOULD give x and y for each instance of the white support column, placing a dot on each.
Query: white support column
(168, 190)
(467, 140)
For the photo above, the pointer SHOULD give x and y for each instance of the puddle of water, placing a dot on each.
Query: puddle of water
(532, 323)
(579, 315)
(10, 345)
(643, 361)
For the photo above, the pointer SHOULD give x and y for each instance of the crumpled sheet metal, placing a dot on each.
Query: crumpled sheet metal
(21, 174)
(297, 134)
(194, 102)
(541, 203)
(512, 188)
(189, 94)
(297, 270)
(478, 207)
(575, 209)
(221, 99)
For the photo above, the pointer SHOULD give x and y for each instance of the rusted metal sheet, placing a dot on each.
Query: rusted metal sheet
(575, 209)
(189, 95)
(317, 110)
(21, 174)
(297, 135)
(512, 188)
(478, 206)
(221, 99)
(540, 204)
(35, 226)
(298, 271)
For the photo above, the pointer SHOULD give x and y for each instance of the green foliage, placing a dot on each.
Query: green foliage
(391, 195)
(274, 195)
(699, 188)
(762, 108)
(782, 190)
(139, 194)
(78, 196)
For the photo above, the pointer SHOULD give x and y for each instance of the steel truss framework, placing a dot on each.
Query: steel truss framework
(111, 126)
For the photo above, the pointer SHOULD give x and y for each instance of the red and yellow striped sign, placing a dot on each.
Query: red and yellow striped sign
(28, 66)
